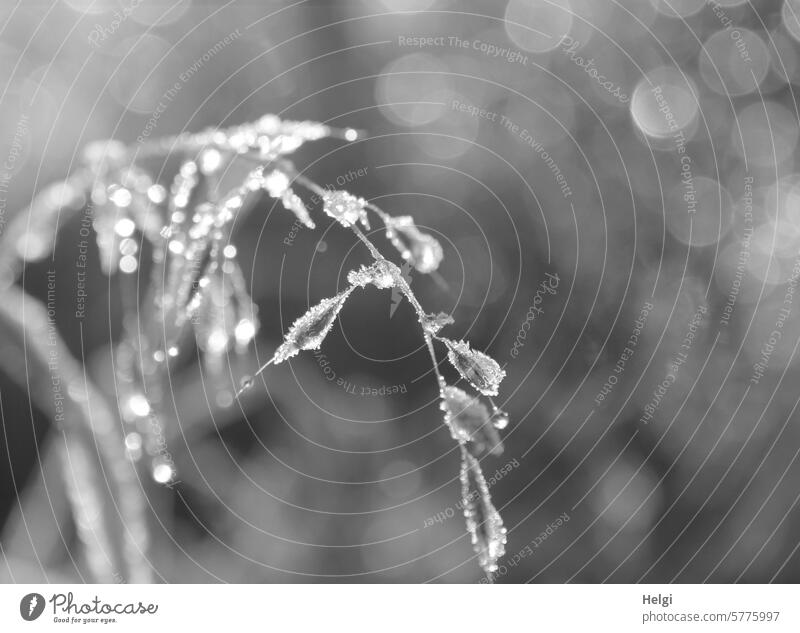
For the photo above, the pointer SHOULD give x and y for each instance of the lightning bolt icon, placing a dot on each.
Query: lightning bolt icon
(32, 605)
(397, 295)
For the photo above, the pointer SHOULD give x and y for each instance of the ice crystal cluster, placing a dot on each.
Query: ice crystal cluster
(197, 286)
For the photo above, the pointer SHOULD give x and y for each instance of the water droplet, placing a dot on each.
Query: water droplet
(421, 250)
(133, 446)
(344, 207)
(128, 264)
(77, 391)
(163, 472)
(500, 420)
(224, 399)
(133, 441)
(156, 194)
(292, 202)
(234, 202)
(128, 246)
(119, 196)
(432, 323)
(538, 26)
(469, 422)
(124, 227)
(310, 330)
(664, 102)
(244, 331)
(210, 161)
(229, 251)
(32, 246)
(382, 274)
(276, 183)
(483, 522)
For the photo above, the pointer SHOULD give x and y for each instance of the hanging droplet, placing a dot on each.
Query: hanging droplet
(163, 472)
(423, 251)
(245, 383)
(210, 161)
(172, 351)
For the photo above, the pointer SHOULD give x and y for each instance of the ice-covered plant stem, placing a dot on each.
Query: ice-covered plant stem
(469, 421)
(197, 286)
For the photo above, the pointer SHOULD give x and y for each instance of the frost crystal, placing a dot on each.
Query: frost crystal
(499, 419)
(423, 251)
(310, 330)
(345, 208)
(480, 370)
(269, 136)
(382, 274)
(469, 422)
(483, 522)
